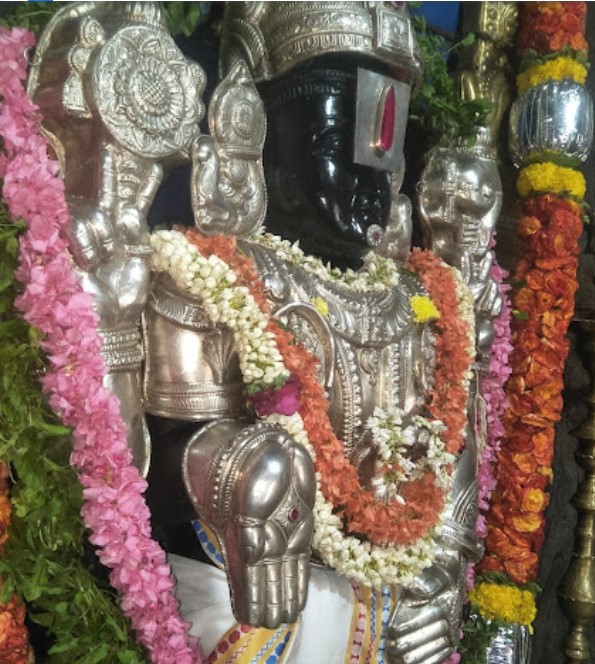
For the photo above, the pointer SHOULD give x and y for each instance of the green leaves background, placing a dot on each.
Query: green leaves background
(45, 561)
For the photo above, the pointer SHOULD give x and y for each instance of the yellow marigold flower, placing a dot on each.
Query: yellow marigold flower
(423, 309)
(534, 500)
(321, 306)
(549, 178)
(505, 602)
(558, 69)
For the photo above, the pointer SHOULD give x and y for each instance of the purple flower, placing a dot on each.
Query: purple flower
(282, 401)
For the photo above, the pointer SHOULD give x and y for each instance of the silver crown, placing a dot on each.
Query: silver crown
(274, 37)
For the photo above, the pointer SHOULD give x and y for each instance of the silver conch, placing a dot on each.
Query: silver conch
(119, 102)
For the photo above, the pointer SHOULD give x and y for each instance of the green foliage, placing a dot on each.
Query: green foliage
(532, 59)
(181, 17)
(44, 561)
(31, 15)
(478, 634)
(505, 580)
(438, 109)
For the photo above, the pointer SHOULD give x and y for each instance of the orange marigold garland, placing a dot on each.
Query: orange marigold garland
(543, 303)
(549, 27)
(392, 523)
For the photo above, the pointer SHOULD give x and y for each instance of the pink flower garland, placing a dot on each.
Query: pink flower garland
(53, 301)
(492, 390)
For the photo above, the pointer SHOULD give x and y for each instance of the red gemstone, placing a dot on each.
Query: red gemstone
(293, 514)
(387, 128)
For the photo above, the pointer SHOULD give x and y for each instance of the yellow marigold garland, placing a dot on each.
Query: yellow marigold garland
(557, 70)
(509, 603)
(549, 178)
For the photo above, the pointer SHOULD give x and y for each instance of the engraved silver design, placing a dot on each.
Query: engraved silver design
(121, 349)
(554, 118)
(365, 327)
(228, 187)
(273, 38)
(191, 368)
(147, 93)
(255, 488)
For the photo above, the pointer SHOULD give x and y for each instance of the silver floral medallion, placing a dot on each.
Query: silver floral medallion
(147, 93)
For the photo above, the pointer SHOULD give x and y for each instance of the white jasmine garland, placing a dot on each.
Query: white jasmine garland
(377, 274)
(358, 560)
(261, 363)
(394, 437)
(466, 310)
(213, 281)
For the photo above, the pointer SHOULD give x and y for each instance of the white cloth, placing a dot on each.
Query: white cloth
(323, 634)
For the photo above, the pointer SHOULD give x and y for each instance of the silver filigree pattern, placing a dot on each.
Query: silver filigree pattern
(147, 93)
(273, 38)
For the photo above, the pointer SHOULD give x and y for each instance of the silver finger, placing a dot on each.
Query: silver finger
(303, 574)
(486, 266)
(148, 188)
(253, 600)
(274, 609)
(419, 620)
(103, 231)
(466, 266)
(290, 590)
(430, 653)
(82, 245)
(414, 640)
(108, 192)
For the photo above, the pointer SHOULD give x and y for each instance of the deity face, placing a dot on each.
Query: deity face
(317, 194)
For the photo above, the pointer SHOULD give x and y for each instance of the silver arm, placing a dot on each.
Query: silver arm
(109, 241)
(118, 100)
